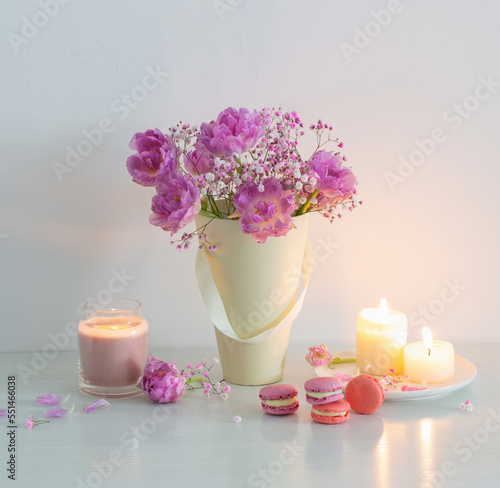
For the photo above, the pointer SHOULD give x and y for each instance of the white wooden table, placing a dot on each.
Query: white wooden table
(195, 443)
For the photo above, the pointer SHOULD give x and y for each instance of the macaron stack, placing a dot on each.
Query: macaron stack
(327, 400)
(364, 394)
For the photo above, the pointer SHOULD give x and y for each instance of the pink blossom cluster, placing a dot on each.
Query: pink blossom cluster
(198, 377)
(243, 165)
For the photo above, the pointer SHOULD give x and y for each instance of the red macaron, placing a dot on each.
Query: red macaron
(331, 413)
(279, 399)
(364, 393)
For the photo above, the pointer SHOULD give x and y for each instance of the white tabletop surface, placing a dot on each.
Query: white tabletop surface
(195, 443)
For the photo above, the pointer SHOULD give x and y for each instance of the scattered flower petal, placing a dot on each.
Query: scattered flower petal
(343, 378)
(58, 411)
(237, 419)
(412, 388)
(49, 399)
(93, 406)
(3, 412)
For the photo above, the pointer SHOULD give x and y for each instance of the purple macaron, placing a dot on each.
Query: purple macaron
(279, 399)
(323, 390)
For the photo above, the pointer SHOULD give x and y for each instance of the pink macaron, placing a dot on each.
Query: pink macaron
(331, 413)
(323, 390)
(364, 393)
(279, 399)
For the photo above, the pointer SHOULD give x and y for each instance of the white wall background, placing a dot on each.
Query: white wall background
(62, 241)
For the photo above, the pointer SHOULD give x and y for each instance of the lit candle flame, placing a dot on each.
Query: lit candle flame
(427, 335)
(383, 310)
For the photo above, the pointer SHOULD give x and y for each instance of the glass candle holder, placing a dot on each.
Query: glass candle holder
(113, 344)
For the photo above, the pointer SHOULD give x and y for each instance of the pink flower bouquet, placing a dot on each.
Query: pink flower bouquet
(244, 166)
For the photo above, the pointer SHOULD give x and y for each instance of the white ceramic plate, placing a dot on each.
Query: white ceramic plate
(465, 372)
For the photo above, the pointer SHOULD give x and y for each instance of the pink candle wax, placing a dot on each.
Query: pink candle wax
(113, 350)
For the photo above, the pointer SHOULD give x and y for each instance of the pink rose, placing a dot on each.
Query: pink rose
(319, 356)
(161, 381)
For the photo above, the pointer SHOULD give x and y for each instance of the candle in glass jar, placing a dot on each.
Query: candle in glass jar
(113, 345)
(429, 360)
(381, 337)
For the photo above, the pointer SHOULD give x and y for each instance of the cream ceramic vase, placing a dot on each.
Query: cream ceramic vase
(251, 293)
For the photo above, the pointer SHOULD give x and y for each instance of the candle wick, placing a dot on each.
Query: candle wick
(429, 349)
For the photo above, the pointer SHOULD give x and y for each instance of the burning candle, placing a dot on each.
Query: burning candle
(381, 337)
(429, 360)
(113, 343)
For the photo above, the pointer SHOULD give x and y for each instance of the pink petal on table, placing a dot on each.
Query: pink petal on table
(343, 378)
(49, 399)
(99, 403)
(411, 388)
(3, 412)
(58, 412)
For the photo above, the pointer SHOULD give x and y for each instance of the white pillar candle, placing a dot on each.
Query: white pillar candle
(429, 360)
(381, 337)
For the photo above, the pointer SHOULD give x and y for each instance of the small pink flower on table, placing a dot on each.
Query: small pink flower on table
(31, 422)
(466, 407)
(162, 382)
(319, 356)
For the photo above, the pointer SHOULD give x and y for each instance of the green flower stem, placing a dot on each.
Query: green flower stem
(194, 380)
(215, 209)
(308, 202)
(338, 360)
